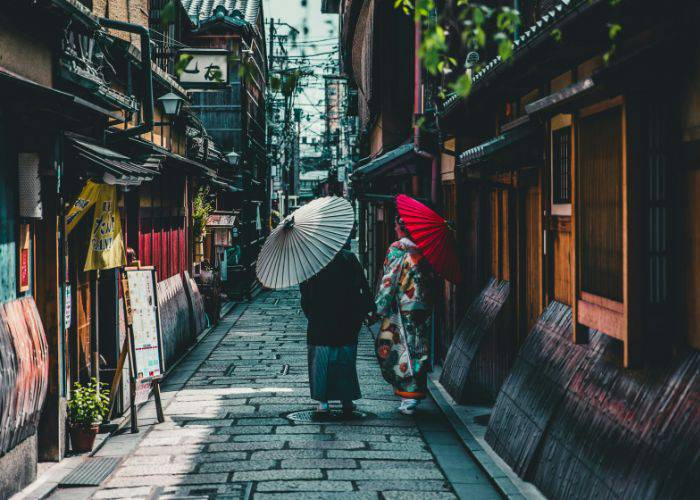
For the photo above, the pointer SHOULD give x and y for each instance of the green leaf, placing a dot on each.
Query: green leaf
(478, 16)
(480, 36)
(275, 83)
(614, 30)
(182, 63)
(463, 85)
(505, 50)
(608, 56)
(167, 14)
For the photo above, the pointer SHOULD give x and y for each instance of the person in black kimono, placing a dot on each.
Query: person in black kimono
(335, 302)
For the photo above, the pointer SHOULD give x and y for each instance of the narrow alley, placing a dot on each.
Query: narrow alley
(204, 202)
(226, 433)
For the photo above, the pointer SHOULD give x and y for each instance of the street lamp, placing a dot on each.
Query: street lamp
(171, 104)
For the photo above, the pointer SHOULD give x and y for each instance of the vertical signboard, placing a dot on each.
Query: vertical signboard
(24, 265)
(145, 324)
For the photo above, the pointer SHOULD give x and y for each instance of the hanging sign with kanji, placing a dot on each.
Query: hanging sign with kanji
(202, 68)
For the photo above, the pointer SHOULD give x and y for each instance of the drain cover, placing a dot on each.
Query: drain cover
(331, 416)
(91, 472)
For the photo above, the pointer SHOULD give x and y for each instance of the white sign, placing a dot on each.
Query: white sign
(258, 221)
(145, 323)
(205, 67)
(68, 307)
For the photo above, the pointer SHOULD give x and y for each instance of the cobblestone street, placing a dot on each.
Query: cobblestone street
(226, 434)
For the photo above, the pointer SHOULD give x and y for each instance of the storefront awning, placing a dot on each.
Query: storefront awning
(181, 163)
(114, 168)
(224, 184)
(483, 151)
(46, 99)
(388, 161)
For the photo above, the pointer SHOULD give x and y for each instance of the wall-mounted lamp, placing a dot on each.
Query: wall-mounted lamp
(171, 104)
(233, 158)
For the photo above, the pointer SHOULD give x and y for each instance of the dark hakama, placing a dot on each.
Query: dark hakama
(332, 373)
(335, 302)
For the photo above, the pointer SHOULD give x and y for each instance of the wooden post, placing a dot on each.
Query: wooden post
(49, 295)
(51, 430)
(118, 375)
(132, 406)
(579, 332)
(122, 356)
(159, 404)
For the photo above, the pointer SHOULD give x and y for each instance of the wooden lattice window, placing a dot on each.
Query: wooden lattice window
(599, 187)
(561, 166)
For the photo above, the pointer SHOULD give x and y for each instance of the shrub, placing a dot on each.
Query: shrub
(88, 404)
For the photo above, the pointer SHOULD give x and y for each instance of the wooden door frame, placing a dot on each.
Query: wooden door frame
(531, 179)
(591, 311)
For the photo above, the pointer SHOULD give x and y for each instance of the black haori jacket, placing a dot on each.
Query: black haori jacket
(335, 302)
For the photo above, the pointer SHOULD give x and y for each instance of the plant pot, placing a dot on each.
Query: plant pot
(83, 438)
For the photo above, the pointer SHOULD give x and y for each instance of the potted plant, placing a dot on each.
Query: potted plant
(87, 408)
(201, 210)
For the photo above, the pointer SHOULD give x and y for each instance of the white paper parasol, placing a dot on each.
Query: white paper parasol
(305, 242)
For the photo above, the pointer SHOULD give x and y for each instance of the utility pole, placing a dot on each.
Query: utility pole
(287, 172)
(297, 153)
(272, 44)
(270, 117)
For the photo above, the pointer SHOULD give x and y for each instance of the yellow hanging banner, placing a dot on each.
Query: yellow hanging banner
(87, 198)
(106, 249)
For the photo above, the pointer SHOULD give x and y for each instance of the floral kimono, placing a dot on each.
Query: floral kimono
(404, 303)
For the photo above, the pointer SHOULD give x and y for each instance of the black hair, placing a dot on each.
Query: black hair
(402, 225)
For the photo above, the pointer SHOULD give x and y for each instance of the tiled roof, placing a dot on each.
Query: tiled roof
(481, 152)
(536, 29)
(200, 10)
(542, 27)
(380, 161)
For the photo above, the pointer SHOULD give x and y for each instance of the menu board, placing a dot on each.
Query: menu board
(145, 323)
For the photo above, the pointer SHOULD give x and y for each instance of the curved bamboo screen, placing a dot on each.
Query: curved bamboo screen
(24, 371)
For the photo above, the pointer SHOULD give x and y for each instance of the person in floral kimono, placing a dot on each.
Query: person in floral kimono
(404, 304)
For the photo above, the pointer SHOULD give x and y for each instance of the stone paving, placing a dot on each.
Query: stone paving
(226, 435)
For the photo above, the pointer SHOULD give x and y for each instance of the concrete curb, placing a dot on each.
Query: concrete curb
(497, 475)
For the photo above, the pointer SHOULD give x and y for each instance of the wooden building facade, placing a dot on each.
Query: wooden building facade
(80, 103)
(572, 192)
(569, 173)
(378, 44)
(233, 112)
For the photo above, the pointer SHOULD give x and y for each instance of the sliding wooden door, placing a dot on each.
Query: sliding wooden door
(599, 209)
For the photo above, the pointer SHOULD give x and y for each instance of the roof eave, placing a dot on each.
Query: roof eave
(565, 12)
(226, 21)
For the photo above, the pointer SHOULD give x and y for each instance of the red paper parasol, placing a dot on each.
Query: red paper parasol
(432, 234)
